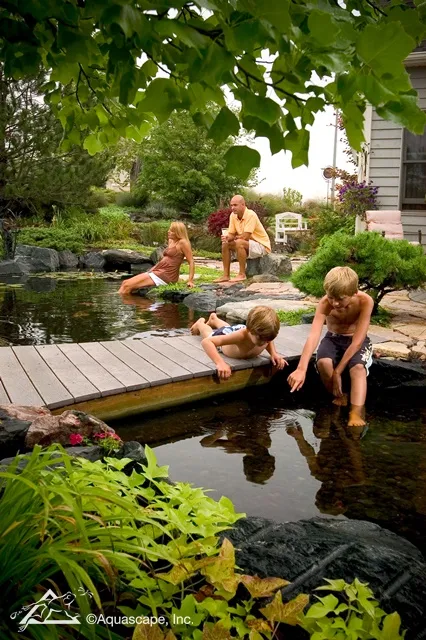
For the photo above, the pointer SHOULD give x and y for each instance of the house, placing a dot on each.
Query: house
(395, 159)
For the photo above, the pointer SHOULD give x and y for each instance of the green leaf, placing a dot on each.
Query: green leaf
(298, 143)
(240, 160)
(92, 144)
(353, 119)
(406, 112)
(263, 108)
(391, 627)
(384, 47)
(149, 68)
(225, 124)
(322, 27)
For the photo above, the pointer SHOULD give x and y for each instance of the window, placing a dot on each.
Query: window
(414, 172)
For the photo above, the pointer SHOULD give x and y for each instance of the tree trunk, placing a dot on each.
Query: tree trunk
(3, 123)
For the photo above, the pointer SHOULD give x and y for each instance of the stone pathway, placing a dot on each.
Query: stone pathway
(418, 296)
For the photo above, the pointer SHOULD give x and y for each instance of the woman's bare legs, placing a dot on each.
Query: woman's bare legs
(137, 282)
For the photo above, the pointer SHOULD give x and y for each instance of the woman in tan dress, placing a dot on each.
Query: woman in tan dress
(167, 270)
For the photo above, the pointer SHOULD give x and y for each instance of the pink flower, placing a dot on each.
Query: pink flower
(99, 436)
(115, 436)
(76, 438)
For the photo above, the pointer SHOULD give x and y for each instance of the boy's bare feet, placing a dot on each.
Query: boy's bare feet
(222, 279)
(195, 329)
(356, 417)
(342, 401)
(212, 319)
(239, 278)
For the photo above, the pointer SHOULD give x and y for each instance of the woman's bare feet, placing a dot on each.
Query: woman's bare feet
(342, 401)
(356, 416)
(222, 279)
(195, 329)
(239, 278)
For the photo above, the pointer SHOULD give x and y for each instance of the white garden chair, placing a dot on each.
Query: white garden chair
(286, 223)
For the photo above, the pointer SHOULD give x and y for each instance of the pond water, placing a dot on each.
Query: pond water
(289, 458)
(275, 455)
(48, 310)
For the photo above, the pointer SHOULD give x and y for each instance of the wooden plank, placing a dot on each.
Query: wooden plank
(236, 364)
(189, 348)
(173, 394)
(384, 172)
(93, 371)
(18, 386)
(175, 371)
(166, 348)
(77, 384)
(382, 152)
(116, 367)
(386, 134)
(154, 376)
(4, 398)
(47, 384)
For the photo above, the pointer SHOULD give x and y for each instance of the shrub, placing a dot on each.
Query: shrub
(137, 198)
(356, 198)
(258, 207)
(151, 233)
(382, 265)
(159, 210)
(324, 221)
(51, 238)
(218, 220)
(201, 210)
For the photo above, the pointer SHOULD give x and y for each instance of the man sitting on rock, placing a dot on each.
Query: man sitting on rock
(246, 238)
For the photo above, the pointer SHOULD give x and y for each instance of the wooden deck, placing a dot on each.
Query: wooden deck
(118, 378)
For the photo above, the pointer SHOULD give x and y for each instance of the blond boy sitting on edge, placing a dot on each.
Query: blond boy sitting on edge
(347, 313)
(240, 341)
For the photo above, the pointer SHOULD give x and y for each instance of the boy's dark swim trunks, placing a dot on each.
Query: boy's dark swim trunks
(334, 345)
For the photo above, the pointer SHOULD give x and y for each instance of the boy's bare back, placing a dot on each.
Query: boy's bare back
(240, 345)
(344, 320)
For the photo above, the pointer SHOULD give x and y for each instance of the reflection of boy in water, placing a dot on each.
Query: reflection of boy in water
(336, 467)
(258, 463)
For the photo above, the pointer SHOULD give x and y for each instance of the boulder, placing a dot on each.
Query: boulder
(39, 258)
(277, 264)
(419, 352)
(48, 428)
(92, 453)
(141, 267)
(17, 266)
(264, 277)
(308, 551)
(93, 260)
(67, 259)
(238, 311)
(307, 318)
(15, 420)
(157, 254)
(205, 301)
(123, 258)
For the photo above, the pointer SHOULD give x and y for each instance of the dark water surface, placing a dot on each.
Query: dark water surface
(282, 460)
(49, 310)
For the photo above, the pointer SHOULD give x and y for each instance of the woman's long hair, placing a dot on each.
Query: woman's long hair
(180, 230)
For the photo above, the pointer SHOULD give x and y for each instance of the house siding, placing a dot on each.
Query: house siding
(384, 169)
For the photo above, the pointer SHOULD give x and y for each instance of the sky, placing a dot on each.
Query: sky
(276, 172)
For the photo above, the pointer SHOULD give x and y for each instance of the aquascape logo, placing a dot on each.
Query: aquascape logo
(50, 609)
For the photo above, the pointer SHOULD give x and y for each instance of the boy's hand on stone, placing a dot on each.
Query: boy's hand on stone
(279, 362)
(296, 380)
(223, 370)
(337, 385)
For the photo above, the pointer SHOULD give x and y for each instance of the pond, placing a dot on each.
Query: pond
(286, 458)
(79, 308)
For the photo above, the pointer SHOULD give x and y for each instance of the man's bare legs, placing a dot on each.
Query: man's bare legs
(241, 248)
(326, 368)
(358, 375)
(227, 248)
(205, 328)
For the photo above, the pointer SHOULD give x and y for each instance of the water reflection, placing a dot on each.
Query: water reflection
(285, 461)
(49, 310)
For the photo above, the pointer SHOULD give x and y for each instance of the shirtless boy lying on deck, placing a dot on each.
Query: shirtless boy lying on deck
(347, 313)
(240, 341)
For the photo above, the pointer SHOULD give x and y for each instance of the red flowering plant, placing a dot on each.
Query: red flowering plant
(218, 220)
(107, 440)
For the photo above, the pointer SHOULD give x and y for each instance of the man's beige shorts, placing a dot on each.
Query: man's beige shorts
(256, 250)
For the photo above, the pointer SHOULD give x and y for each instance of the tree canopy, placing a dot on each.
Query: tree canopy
(117, 66)
(183, 167)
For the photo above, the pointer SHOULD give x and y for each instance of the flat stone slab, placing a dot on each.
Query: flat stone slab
(389, 335)
(415, 330)
(272, 288)
(238, 311)
(392, 350)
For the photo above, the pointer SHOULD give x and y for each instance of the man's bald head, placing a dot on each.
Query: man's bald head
(238, 205)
